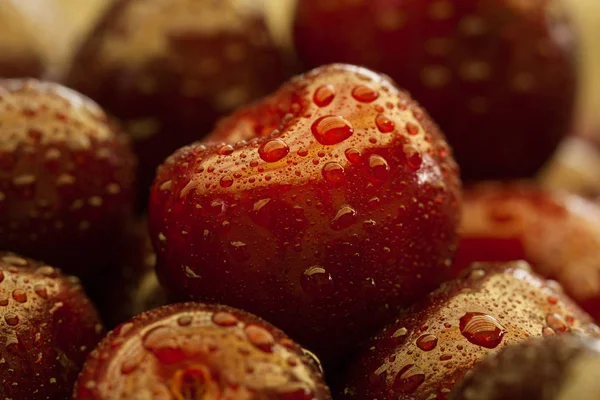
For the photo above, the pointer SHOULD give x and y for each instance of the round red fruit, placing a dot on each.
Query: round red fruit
(430, 346)
(48, 327)
(66, 177)
(197, 351)
(169, 69)
(308, 214)
(498, 76)
(557, 232)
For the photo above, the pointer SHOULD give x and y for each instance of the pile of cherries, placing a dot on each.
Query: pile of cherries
(332, 208)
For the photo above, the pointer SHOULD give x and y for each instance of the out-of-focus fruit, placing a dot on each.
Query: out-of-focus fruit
(430, 347)
(48, 328)
(328, 205)
(558, 233)
(20, 48)
(197, 351)
(498, 76)
(169, 69)
(559, 368)
(66, 177)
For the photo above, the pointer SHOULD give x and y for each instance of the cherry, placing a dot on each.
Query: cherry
(557, 232)
(555, 368)
(48, 327)
(198, 351)
(66, 176)
(308, 214)
(499, 76)
(431, 345)
(169, 69)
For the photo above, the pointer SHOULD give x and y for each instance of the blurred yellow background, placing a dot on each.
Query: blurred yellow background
(77, 16)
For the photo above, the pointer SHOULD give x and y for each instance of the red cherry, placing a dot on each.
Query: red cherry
(48, 327)
(558, 233)
(169, 69)
(66, 176)
(198, 351)
(325, 239)
(498, 76)
(430, 346)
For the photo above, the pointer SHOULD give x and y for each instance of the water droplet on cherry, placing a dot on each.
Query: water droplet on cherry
(345, 217)
(273, 150)
(384, 123)
(427, 342)
(324, 95)
(225, 319)
(260, 338)
(333, 172)
(379, 167)
(353, 155)
(317, 282)
(412, 128)
(408, 379)
(364, 94)
(331, 129)
(482, 329)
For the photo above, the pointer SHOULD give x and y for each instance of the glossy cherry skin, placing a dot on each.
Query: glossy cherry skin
(557, 368)
(169, 69)
(48, 327)
(430, 346)
(320, 221)
(498, 76)
(197, 351)
(557, 232)
(66, 177)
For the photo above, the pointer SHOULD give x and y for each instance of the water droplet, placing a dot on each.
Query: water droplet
(273, 150)
(3, 300)
(353, 155)
(302, 152)
(384, 123)
(260, 338)
(19, 295)
(482, 329)
(365, 94)
(412, 128)
(331, 129)
(546, 331)
(225, 319)
(556, 323)
(413, 157)
(427, 342)
(552, 300)
(11, 319)
(226, 150)
(163, 342)
(379, 167)
(184, 320)
(445, 357)
(333, 172)
(408, 379)
(399, 333)
(477, 274)
(226, 181)
(129, 365)
(324, 95)
(317, 282)
(344, 218)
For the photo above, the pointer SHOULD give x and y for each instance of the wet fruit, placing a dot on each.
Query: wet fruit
(20, 49)
(307, 213)
(66, 177)
(558, 233)
(169, 69)
(542, 369)
(499, 77)
(430, 346)
(197, 351)
(48, 327)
